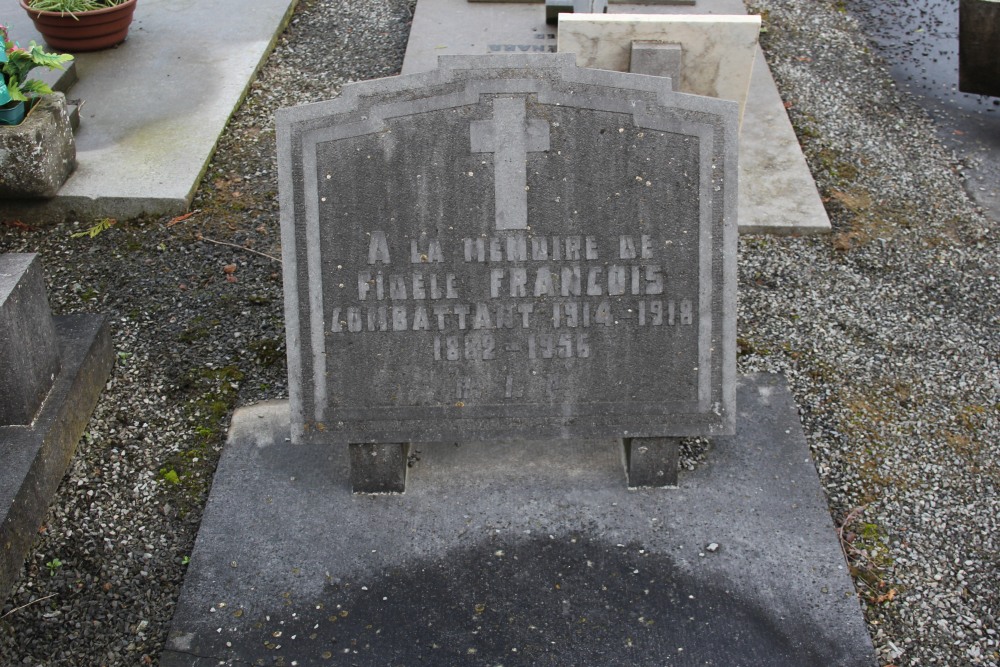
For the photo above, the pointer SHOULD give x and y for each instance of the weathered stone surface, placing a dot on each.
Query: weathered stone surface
(657, 59)
(740, 565)
(509, 247)
(37, 156)
(652, 462)
(378, 468)
(29, 353)
(33, 459)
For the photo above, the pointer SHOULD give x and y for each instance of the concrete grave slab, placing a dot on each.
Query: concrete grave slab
(520, 554)
(717, 51)
(145, 134)
(509, 247)
(29, 355)
(777, 192)
(34, 458)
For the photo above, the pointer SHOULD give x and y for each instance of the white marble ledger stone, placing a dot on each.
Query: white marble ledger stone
(718, 50)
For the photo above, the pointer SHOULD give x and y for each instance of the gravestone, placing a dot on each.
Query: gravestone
(52, 370)
(508, 248)
(29, 356)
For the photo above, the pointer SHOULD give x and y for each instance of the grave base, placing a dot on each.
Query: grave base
(520, 554)
(378, 468)
(651, 462)
(33, 459)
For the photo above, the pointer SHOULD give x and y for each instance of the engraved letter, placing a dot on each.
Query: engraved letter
(397, 287)
(593, 288)
(539, 248)
(518, 279)
(572, 247)
(440, 312)
(461, 311)
(525, 309)
(570, 282)
(616, 280)
(687, 312)
(543, 282)
(647, 247)
(418, 286)
(626, 247)
(399, 318)
(420, 322)
(354, 319)
(517, 248)
(364, 284)
(505, 316)
(434, 253)
(496, 277)
(378, 248)
(482, 320)
(654, 279)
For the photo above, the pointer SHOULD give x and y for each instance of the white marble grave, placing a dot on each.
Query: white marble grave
(717, 51)
(777, 192)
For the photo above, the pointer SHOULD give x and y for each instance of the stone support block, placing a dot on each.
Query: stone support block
(29, 354)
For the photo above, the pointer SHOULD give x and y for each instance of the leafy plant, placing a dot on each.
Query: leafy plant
(53, 565)
(72, 7)
(17, 62)
(102, 225)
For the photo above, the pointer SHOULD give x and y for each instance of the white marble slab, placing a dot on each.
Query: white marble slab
(717, 51)
(777, 192)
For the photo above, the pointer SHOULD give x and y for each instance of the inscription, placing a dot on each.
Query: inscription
(510, 298)
(522, 48)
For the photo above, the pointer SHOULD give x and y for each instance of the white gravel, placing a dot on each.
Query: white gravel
(887, 330)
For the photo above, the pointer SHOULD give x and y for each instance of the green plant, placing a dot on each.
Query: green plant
(101, 225)
(72, 7)
(17, 62)
(53, 565)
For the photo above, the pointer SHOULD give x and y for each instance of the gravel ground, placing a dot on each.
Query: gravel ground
(887, 331)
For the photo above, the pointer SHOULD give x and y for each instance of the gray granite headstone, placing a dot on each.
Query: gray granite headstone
(509, 247)
(52, 370)
(29, 353)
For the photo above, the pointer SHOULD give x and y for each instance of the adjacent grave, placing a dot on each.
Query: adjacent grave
(509, 247)
(714, 53)
(777, 192)
(52, 370)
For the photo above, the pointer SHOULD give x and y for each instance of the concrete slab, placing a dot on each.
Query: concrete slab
(34, 458)
(777, 192)
(154, 107)
(520, 554)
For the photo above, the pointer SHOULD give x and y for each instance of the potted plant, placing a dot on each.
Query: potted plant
(81, 25)
(37, 149)
(17, 91)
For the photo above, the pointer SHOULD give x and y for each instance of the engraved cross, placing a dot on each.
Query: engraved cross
(510, 136)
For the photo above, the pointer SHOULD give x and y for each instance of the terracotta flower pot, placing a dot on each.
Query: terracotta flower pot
(89, 31)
